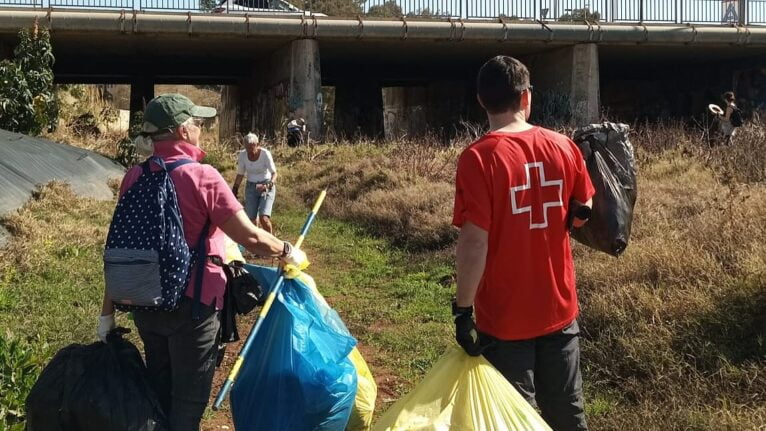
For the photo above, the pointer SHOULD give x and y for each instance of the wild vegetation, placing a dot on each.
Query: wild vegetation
(27, 97)
(673, 331)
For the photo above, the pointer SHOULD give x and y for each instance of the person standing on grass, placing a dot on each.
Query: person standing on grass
(257, 164)
(180, 350)
(731, 118)
(519, 190)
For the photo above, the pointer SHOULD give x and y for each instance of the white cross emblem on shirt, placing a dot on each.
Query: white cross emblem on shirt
(528, 198)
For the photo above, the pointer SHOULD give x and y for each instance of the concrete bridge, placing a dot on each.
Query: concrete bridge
(397, 75)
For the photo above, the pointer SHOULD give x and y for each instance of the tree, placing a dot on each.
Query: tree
(425, 13)
(347, 8)
(207, 5)
(388, 9)
(584, 14)
(27, 97)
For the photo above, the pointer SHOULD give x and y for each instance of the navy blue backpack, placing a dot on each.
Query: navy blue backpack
(147, 262)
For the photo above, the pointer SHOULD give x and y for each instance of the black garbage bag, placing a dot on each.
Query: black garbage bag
(612, 168)
(98, 387)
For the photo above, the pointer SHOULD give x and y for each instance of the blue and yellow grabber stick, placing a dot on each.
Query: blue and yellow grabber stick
(273, 292)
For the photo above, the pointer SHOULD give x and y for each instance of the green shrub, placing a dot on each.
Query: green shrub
(126, 150)
(28, 102)
(19, 369)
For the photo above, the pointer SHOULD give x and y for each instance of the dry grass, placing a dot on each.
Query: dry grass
(674, 329)
(84, 100)
(205, 96)
(397, 191)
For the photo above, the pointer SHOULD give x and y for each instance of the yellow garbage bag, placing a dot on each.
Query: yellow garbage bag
(462, 393)
(231, 250)
(366, 388)
(366, 392)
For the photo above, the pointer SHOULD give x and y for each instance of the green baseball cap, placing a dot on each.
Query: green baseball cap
(170, 110)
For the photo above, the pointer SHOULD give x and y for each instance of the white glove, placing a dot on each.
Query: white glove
(105, 324)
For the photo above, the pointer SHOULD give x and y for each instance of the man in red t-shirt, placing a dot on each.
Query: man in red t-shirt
(519, 190)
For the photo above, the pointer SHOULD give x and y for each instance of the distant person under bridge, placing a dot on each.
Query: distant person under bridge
(297, 132)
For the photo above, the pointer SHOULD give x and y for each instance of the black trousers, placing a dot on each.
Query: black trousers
(294, 139)
(546, 372)
(180, 357)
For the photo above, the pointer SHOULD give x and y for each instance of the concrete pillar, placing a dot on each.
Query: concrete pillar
(586, 87)
(405, 111)
(287, 83)
(305, 90)
(141, 92)
(438, 107)
(228, 115)
(358, 108)
(572, 72)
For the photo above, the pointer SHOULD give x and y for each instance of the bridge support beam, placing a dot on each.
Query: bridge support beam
(305, 98)
(228, 114)
(359, 108)
(405, 111)
(437, 107)
(286, 84)
(572, 72)
(141, 92)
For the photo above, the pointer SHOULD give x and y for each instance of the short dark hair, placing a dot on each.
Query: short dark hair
(728, 96)
(500, 82)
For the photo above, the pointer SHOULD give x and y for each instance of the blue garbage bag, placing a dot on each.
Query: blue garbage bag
(297, 375)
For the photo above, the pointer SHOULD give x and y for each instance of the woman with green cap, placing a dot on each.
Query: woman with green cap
(180, 347)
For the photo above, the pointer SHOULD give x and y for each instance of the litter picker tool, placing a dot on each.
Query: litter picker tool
(273, 292)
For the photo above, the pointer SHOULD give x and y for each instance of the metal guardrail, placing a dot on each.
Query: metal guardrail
(725, 12)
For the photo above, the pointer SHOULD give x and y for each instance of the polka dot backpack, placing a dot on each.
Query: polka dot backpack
(147, 262)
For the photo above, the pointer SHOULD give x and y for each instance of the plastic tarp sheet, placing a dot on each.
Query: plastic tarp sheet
(462, 393)
(27, 163)
(297, 376)
(612, 167)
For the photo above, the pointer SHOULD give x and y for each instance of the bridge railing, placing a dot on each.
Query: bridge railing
(725, 12)
(649, 11)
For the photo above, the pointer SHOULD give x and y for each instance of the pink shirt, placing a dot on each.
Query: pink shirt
(202, 194)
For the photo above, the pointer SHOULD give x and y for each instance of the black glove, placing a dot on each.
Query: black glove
(578, 211)
(466, 334)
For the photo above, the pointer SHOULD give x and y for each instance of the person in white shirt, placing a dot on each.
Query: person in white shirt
(257, 164)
